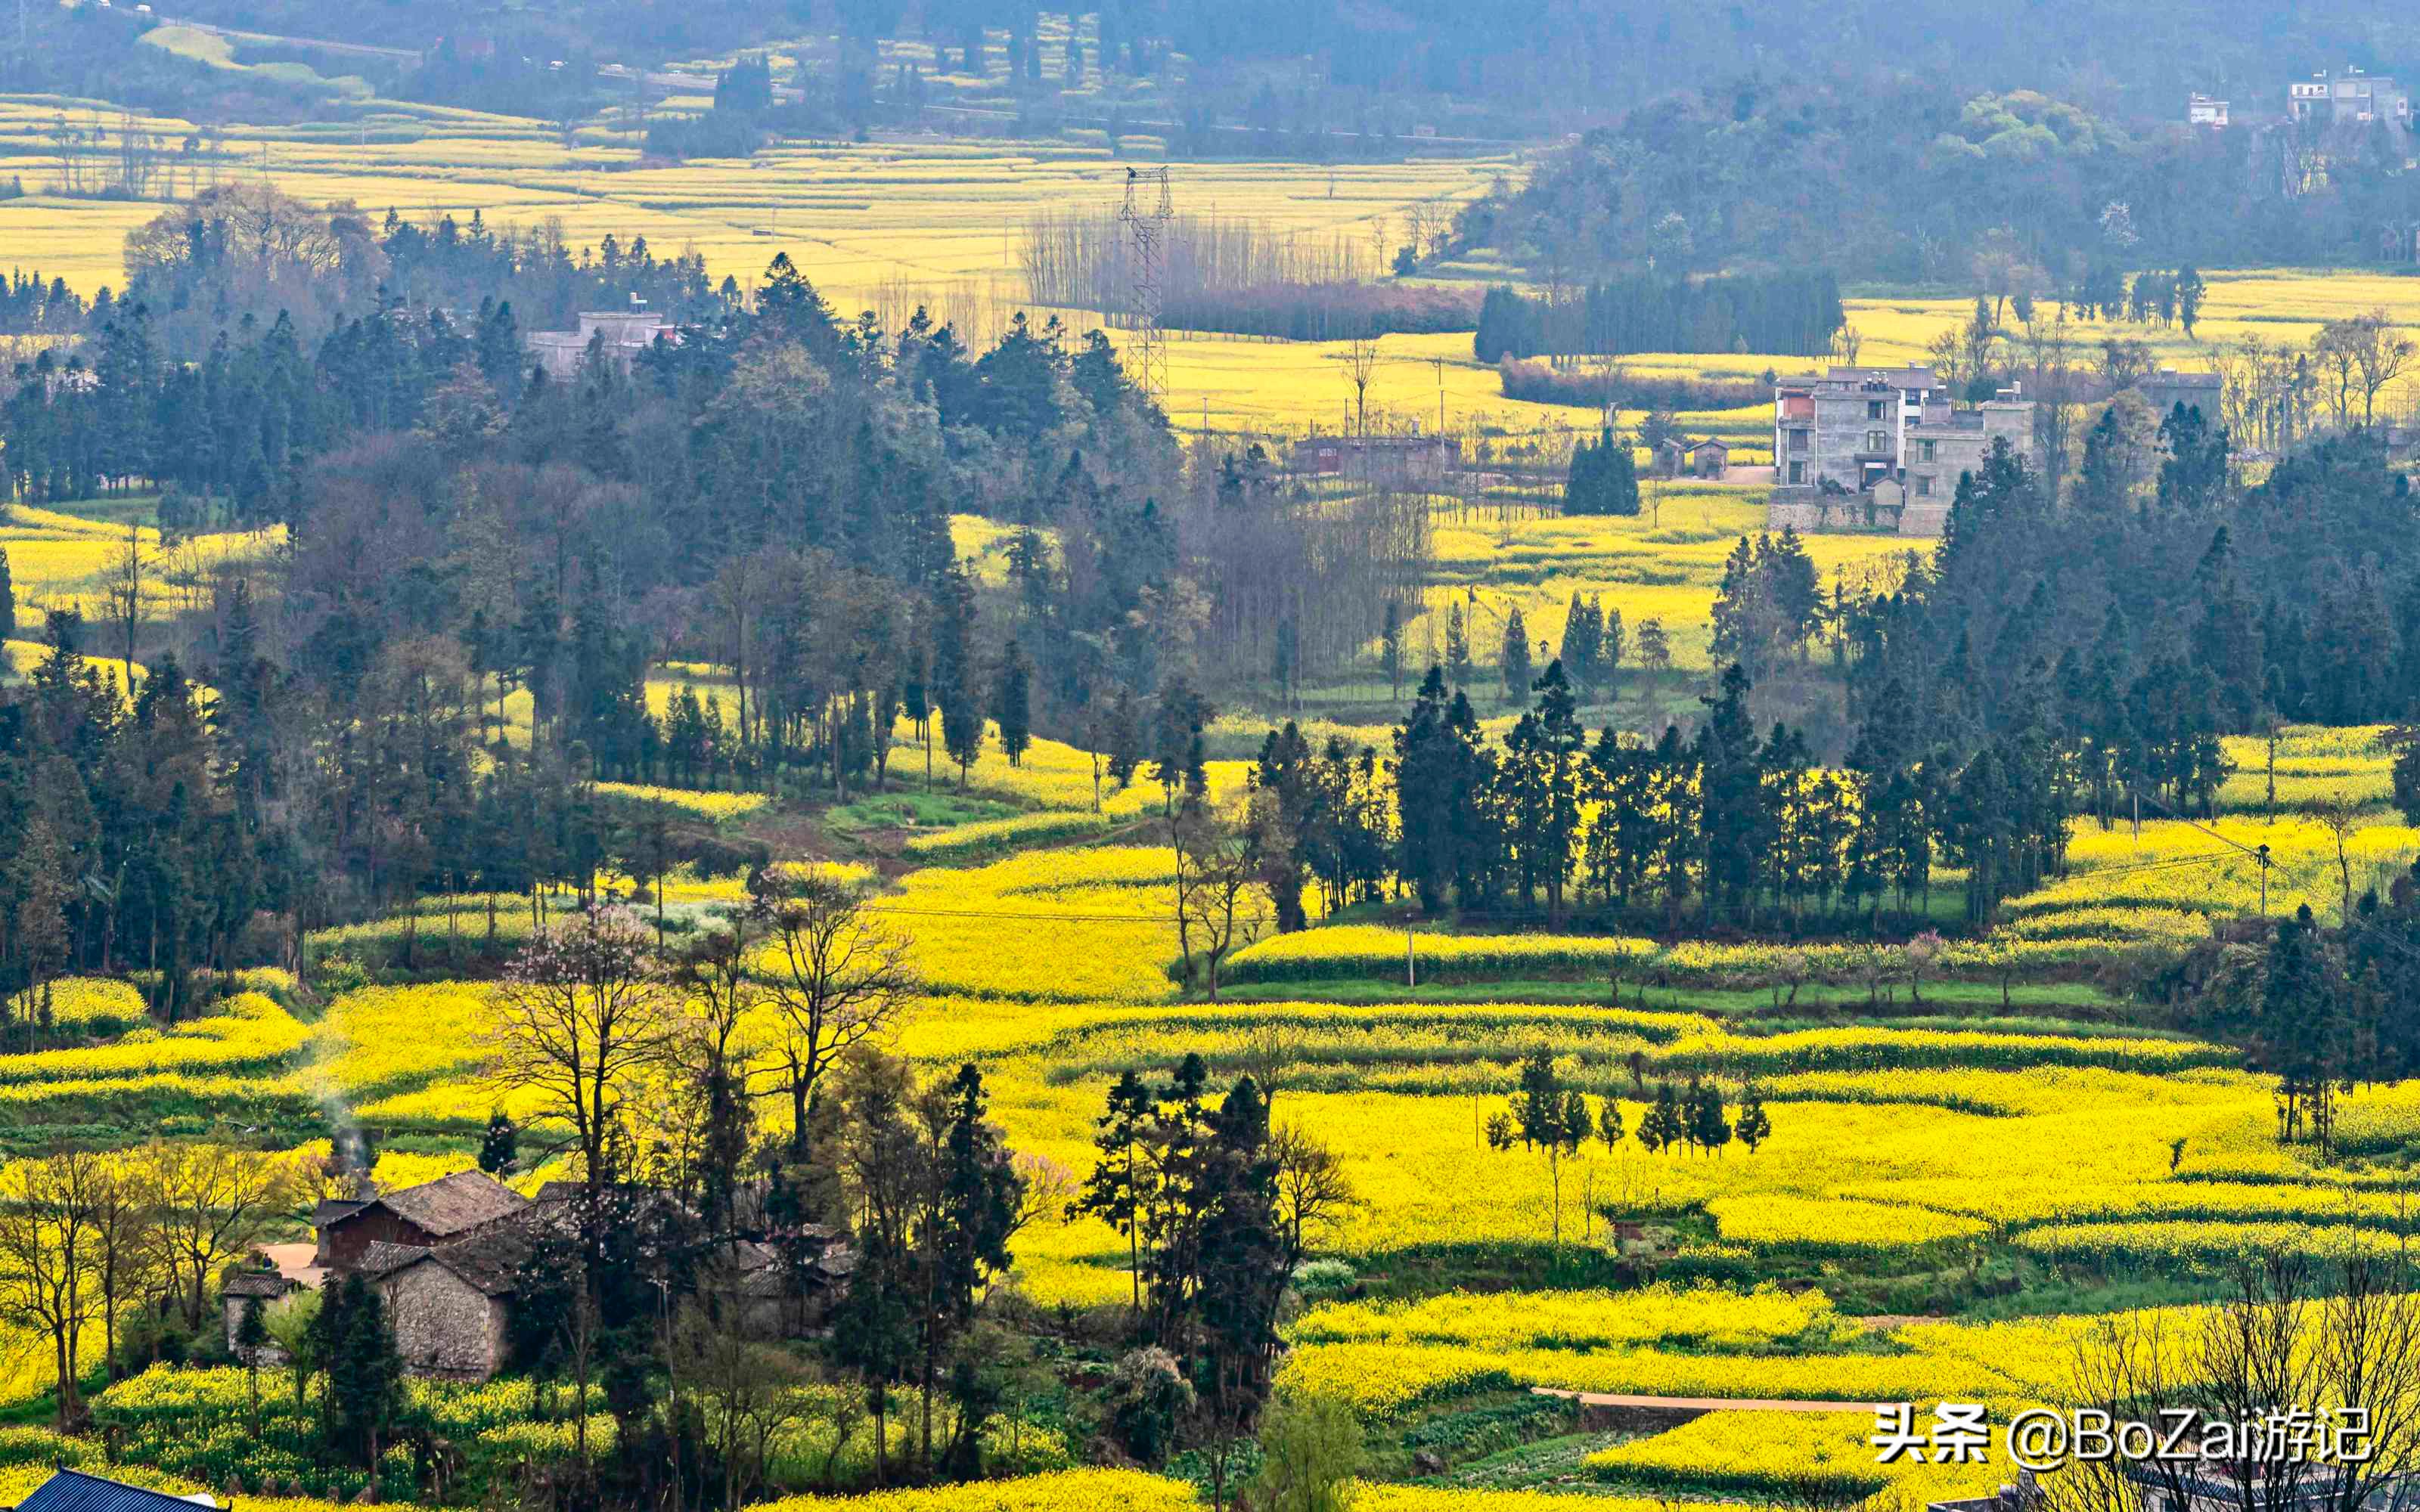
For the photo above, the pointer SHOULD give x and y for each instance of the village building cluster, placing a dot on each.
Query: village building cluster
(449, 1256)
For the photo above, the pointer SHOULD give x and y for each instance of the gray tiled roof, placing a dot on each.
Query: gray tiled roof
(72, 1490)
(455, 1204)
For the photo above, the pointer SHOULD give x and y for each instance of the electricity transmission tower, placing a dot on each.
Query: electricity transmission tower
(1147, 228)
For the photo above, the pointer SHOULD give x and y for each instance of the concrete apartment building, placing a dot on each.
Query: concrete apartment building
(620, 336)
(2351, 98)
(1880, 448)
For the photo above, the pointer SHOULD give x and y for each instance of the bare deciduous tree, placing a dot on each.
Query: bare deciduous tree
(581, 1015)
(49, 1274)
(2341, 1336)
(838, 978)
(745, 1389)
(1361, 365)
(213, 1202)
(1313, 1194)
(1220, 902)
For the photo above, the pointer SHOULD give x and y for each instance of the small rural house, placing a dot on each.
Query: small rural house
(447, 1257)
(240, 1290)
(442, 1211)
(447, 1302)
(72, 1490)
(1394, 460)
(1678, 458)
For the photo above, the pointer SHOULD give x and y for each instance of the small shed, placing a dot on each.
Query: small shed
(1710, 458)
(240, 1290)
(447, 1210)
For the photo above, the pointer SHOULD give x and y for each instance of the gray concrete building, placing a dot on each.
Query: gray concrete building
(619, 336)
(2352, 97)
(1880, 448)
(2168, 388)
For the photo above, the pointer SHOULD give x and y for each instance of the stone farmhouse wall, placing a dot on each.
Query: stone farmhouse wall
(445, 1326)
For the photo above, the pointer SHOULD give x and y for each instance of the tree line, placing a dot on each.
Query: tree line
(1791, 312)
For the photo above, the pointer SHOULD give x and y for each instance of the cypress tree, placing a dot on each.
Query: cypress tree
(953, 671)
(1391, 644)
(1583, 636)
(1457, 647)
(1516, 663)
(1424, 779)
(1012, 702)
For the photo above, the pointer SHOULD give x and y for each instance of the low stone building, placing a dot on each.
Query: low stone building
(2168, 388)
(447, 1257)
(242, 1290)
(447, 1210)
(448, 1305)
(1393, 461)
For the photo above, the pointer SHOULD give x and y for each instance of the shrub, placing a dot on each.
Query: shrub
(1317, 1279)
(1148, 1394)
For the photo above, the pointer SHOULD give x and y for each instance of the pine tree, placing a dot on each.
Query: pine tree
(1709, 1129)
(1426, 770)
(1121, 1185)
(1753, 1127)
(1457, 647)
(1609, 1126)
(501, 1146)
(2190, 292)
(8, 598)
(365, 1370)
(1662, 1126)
(1514, 664)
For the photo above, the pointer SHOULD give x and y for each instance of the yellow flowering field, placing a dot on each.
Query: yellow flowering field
(715, 806)
(94, 1002)
(1697, 1317)
(246, 1032)
(1768, 1454)
(384, 1040)
(985, 836)
(1350, 951)
(58, 560)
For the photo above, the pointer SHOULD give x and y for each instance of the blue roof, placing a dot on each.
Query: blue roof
(72, 1490)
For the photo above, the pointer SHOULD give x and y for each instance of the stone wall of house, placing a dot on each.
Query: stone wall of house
(444, 1326)
(1926, 517)
(1807, 512)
